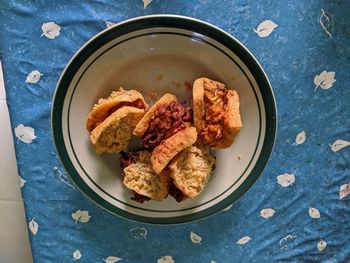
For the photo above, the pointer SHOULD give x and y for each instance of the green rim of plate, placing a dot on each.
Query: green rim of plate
(172, 21)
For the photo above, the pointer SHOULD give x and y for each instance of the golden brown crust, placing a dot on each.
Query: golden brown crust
(231, 118)
(232, 121)
(191, 169)
(115, 132)
(142, 126)
(198, 103)
(140, 177)
(102, 109)
(170, 147)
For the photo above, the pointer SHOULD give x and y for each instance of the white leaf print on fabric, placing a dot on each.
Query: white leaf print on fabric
(212, 261)
(265, 28)
(76, 254)
(314, 213)
(25, 134)
(146, 3)
(301, 137)
(81, 216)
(244, 240)
(286, 179)
(326, 22)
(321, 245)
(166, 259)
(64, 178)
(112, 259)
(338, 145)
(267, 212)
(34, 76)
(138, 232)
(283, 241)
(344, 191)
(21, 181)
(195, 238)
(33, 226)
(325, 79)
(109, 24)
(50, 30)
(227, 208)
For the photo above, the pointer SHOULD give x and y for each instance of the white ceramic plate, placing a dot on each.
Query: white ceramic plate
(158, 54)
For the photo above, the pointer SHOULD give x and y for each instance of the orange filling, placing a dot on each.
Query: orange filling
(215, 99)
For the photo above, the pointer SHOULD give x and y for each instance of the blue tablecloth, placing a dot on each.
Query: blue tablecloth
(309, 219)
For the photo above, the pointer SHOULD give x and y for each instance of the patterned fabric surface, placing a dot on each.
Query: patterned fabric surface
(298, 210)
